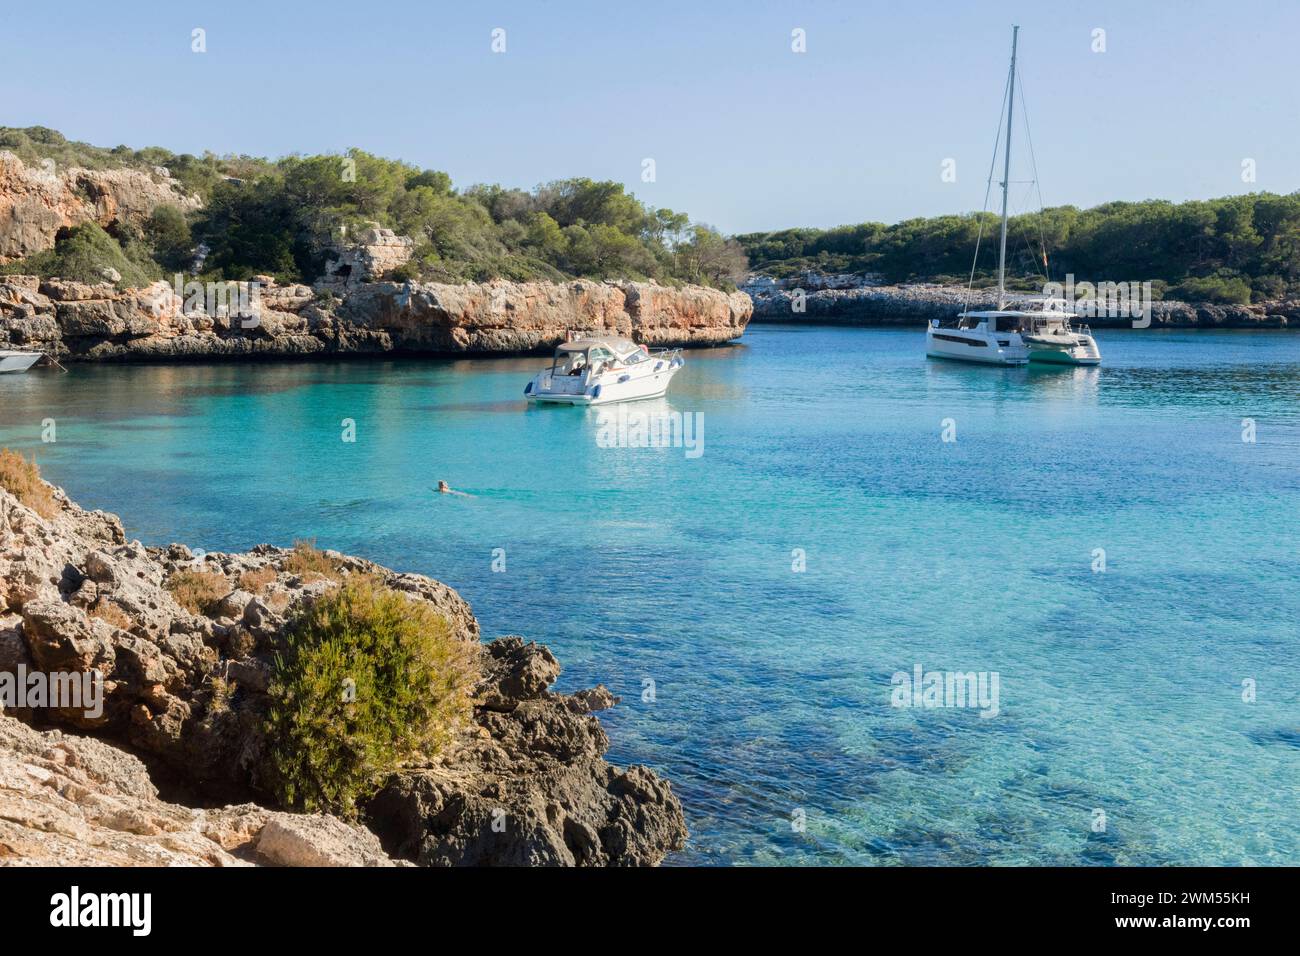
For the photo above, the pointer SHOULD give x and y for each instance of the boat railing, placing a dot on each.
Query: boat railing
(671, 356)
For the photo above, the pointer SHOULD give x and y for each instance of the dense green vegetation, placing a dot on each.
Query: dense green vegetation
(86, 253)
(280, 218)
(1233, 249)
(197, 174)
(369, 679)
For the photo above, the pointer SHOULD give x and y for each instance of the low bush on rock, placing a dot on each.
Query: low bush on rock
(254, 581)
(368, 680)
(198, 591)
(22, 479)
(109, 612)
(310, 563)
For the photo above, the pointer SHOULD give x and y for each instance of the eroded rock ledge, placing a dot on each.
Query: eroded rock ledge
(526, 783)
(80, 322)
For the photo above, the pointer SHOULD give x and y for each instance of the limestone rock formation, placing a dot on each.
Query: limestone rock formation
(68, 800)
(37, 201)
(372, 255)
(186, 688)
(532, 789)
(74, 321)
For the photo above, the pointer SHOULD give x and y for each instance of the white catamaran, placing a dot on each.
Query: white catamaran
(1005, 336)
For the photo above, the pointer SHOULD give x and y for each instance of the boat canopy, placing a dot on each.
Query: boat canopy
(620, 347)
(1014, 314)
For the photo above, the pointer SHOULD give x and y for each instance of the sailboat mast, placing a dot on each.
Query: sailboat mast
(1006, 173)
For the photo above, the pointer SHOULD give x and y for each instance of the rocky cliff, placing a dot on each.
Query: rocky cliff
(919, 303)
(185, 694)
(74, 321)
(67, 800)
(37, 201)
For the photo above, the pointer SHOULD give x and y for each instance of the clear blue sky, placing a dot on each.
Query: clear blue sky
(745, 134)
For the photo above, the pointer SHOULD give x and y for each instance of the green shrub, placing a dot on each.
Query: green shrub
(168, 235)
(407, 272)
(1219, 289)
(368, 680)
(84, 252)
(1267, 288)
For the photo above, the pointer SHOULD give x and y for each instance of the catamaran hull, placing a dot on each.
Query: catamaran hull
(980, 354)
(18, 361)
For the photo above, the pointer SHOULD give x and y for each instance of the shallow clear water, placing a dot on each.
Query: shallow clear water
(1119, 691)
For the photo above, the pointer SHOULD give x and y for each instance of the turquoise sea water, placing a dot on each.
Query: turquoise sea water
(1120, 692)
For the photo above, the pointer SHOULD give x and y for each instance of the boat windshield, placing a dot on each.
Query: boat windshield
(568, 363)
(1051, 323)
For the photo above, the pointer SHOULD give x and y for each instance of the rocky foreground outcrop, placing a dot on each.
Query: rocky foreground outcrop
(37, 201)
(81, 322)
(542, 794)
(917, 304)
(69, 800)
(185, 693)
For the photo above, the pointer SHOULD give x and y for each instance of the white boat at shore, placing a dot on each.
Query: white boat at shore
(597, 370)
(14, 360)
(1004, 336)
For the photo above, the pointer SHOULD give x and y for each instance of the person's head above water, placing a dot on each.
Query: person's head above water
(443, 487)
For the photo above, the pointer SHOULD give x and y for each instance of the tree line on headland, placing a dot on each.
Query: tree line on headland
(1236, 249)
(280, 217)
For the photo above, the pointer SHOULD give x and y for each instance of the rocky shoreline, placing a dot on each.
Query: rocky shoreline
(75, 321)
(917, 304)
(184, 693)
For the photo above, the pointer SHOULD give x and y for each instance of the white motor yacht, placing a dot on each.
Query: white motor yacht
(1054, 340)
(600, 369)
(12, 360)
(1004, 336)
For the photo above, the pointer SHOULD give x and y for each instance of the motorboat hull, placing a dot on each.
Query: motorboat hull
(654, 383)
(18, 361)
(1079, 351)
(1058, 357)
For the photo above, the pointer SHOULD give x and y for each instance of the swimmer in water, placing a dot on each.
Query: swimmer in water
(445, 489)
